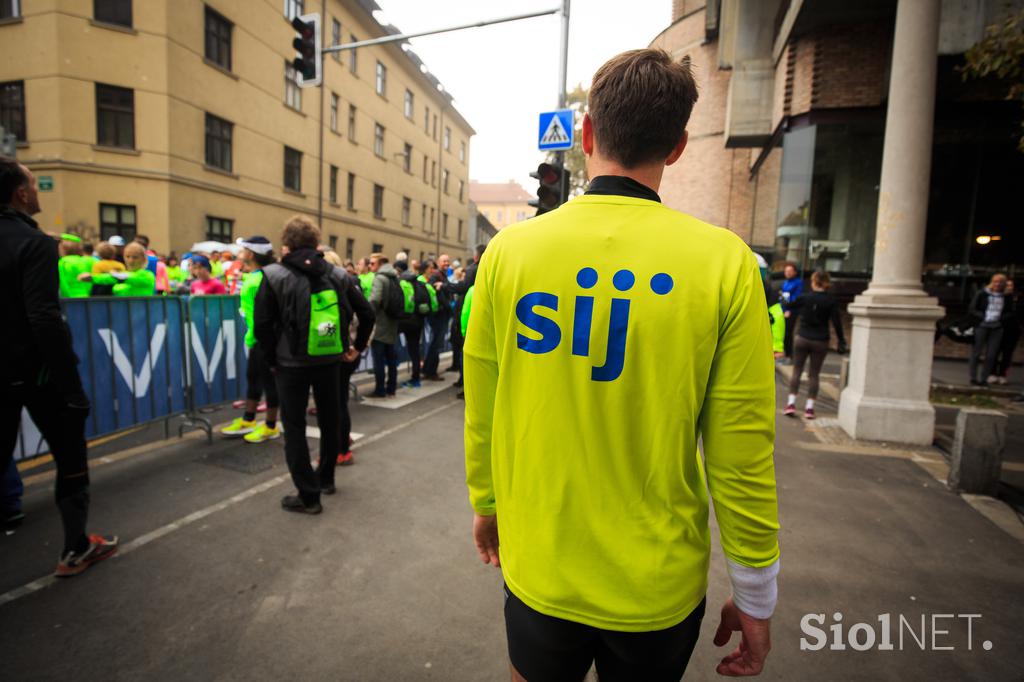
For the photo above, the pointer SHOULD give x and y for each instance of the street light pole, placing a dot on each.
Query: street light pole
(563, 65)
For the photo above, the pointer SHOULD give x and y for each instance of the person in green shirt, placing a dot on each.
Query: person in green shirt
(257, 252)
(73, 263)
(366, 277)
(136, 280)
(608, 337)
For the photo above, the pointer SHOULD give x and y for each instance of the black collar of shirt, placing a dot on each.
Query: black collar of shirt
(23, 217)
(620, 185)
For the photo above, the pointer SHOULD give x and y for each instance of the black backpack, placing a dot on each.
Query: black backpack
(394, 299)
(420, 297)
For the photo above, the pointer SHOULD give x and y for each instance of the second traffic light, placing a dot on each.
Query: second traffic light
(307, 44)
(551, 192)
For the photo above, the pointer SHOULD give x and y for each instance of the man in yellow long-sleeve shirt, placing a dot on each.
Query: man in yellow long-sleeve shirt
(588, 385)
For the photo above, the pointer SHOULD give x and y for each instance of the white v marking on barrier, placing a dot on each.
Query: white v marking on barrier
(223, 345)
(124, 365)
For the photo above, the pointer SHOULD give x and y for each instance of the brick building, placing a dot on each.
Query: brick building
(842, 136)
(786, 141)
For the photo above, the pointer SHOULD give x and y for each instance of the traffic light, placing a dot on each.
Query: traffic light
(551, 191)
(307, 44)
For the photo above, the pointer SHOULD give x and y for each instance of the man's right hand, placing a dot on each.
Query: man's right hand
(755, 642)
(485, 535)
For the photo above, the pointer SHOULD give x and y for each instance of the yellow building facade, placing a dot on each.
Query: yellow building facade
(502, 203)
(181, 120)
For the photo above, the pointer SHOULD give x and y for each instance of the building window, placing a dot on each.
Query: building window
(460, 229)
(828, 196)
(115, 116)
(10, 9)
(219, 229)
(292, 169)
(434, 132)
(333, 186)
(378, 201)
(407, 158)
(294, 8)
(113, 12)
(432, 219)
(426, 120)
(408, 104)
(350, 248)
(332, 242)
(334, 112)
(218, 142)
(292, 92)
(353, 60)
(424, 169)
(498, 216)
(378, 140)
(462, 152)
(444, 181)
(12, 108)
(382, 80)
(336, 38)
(462, 190)
(406, 210)
(433, 173)
(423, 218)
(218, 39)
(377, 248)
(350, 192)
(352, 122)
(117, 219)
(447, 138)
(444, 224)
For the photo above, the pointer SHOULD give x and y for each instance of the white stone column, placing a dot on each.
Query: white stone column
(894, 319)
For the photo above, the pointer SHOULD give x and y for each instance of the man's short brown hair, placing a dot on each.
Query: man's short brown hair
(639, 104)
(300, 233)
(379, 257)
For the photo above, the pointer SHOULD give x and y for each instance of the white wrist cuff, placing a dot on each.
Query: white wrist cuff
(754, 590)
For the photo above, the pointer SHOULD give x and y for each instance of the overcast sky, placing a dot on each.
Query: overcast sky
(503, 76)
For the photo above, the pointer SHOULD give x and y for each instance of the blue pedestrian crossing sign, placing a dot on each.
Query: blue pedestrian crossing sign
(555, 130)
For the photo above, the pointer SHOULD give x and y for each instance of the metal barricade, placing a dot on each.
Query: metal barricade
(133, 364)
(217, 356)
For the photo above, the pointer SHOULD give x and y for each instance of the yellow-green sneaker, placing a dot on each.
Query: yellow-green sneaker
(262, 433)
(239, 427)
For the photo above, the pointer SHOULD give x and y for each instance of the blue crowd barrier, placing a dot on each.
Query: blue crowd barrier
(218, 354)
(153, 358)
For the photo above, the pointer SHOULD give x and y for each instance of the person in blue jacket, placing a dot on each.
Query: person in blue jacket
(792, 288)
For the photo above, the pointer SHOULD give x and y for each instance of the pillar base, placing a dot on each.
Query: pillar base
(886, 397)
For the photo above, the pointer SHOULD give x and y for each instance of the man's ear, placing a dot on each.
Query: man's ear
(677, 151)
(587, 137)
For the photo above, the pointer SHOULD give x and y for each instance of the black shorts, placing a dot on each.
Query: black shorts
(544, 648)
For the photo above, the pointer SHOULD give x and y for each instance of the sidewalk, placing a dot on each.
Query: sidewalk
(951, 390)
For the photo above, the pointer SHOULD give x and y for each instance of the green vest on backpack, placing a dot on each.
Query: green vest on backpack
(408, 295)
(431, 292)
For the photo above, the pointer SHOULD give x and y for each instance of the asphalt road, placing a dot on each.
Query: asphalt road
(218, 583)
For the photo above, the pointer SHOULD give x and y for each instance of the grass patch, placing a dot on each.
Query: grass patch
(957, 399)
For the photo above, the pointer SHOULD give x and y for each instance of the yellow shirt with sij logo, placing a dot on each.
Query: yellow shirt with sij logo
(606, 338)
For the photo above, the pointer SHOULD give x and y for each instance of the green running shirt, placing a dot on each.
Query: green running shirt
(606, 337)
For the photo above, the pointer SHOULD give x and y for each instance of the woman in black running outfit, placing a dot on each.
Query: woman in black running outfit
(817, 309)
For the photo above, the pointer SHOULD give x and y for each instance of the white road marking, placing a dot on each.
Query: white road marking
(189, 519)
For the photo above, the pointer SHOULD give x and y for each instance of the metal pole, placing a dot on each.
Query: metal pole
(563, 65)
(477, 24)
(320, 130)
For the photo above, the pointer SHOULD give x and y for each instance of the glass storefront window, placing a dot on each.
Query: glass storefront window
(828, 196)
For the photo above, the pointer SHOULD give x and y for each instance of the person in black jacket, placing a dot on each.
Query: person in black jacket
(457, 291)
(438, 322)
(281, 324)
(39, 371)
(816, 311)
(991, 309)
